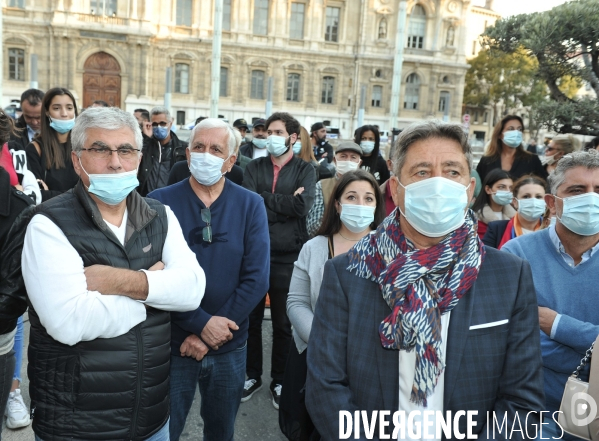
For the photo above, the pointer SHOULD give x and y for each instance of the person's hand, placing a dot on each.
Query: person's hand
(546, 319)
(217, 331)
(146, 128)
(158, 266)
(193, 347)
(19, 187)
(42, 184)
(298, 191)
(97, 277)
(324, 155)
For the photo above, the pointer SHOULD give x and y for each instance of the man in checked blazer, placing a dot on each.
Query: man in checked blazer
(486, 336)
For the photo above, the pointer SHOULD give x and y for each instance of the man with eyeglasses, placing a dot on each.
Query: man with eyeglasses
(227, 228)
(103, 267)
(160, 152)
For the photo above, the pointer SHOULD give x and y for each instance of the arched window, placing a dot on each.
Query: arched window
(293, 86)
(417, 28)
(181, 78)
(412, 92)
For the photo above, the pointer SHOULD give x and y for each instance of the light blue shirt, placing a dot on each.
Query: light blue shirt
(569, 261)
(31, 133)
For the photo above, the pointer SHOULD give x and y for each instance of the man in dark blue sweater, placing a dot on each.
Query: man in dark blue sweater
(227, 228)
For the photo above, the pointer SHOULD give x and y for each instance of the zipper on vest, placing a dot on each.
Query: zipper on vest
(140, 358)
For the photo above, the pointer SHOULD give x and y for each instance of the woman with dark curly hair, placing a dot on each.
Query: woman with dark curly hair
(369, 139)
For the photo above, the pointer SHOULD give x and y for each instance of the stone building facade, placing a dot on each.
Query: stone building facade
(319, 53)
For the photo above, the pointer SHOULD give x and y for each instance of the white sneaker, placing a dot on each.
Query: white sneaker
(16, 412)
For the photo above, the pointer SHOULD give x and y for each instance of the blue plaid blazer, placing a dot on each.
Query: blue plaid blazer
(490, 368)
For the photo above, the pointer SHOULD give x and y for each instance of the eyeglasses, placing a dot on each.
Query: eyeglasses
(161, 124)
(550, 149)
(207, 230)
(103, 153)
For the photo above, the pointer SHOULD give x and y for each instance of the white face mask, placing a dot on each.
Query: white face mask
(206, 168)
(435, 206)
(548, 160)
(343, 167)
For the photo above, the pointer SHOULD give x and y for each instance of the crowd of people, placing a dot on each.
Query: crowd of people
(413, 282)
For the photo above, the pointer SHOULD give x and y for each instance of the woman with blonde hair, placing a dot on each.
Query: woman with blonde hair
(303, 150)
(507, 152)
(559, 146)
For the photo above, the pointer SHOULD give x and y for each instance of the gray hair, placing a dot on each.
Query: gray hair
(233, 135)
(159, 110)
(105, 118)
(567, 143)
(588, 159)
(421, 131)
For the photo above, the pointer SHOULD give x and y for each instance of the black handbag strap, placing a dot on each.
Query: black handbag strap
(584, 361)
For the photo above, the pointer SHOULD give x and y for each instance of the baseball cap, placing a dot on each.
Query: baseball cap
(238, 123)
(348, 145)
(316, 126)
(260, 122)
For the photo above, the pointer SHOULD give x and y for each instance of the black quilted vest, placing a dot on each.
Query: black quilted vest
(108, 388)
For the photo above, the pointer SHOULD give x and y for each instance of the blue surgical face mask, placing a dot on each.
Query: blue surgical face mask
(112, 188)
(206, 168)
(277, 145)
(160, 133)
(259, 143)
(513, 138)
(435, 206)
(503, 197)
(531, 209)
(367, 147)
(581, 214)
(357, 218)
(297, 147)
(62, 125)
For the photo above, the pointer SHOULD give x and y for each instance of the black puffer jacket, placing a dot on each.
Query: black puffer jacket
(286, 213)
(13, 205)
(107, 388)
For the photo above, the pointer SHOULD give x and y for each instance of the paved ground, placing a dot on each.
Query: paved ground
(257, 418)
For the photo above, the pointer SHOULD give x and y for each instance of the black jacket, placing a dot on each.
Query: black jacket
(58, 180)
(494, 233)
(107, 388)
(151, 154)
(286, 213)
(525, 163)
(247, 150)
(20, 140)
(379, 170)
(321, 148)
(13, 298)
(181, 171)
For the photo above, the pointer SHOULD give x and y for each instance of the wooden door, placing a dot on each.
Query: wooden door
(102, 80)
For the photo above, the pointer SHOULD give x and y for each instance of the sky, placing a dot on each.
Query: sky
(514, 7)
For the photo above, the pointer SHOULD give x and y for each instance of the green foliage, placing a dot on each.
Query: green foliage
(564, 42)
(496, 76)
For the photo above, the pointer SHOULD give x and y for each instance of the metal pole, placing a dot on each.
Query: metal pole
(268, 110)
(33, 81)
(217, 33)
(400, 41)
(167, 89)
(362, 104)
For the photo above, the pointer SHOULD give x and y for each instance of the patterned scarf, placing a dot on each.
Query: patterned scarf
(419, 286)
